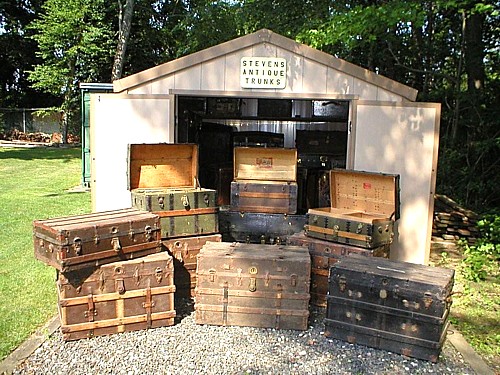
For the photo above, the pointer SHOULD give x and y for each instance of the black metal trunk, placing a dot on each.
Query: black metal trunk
(251, 227)
(389, 305)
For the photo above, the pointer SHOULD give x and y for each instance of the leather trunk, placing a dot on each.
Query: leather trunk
(264, 196)
(163, 179)
(184, 251)
(323, 255)
(251, 227)
(89, 240)
(396, 306)
(253, 285)
(117, 297)
(363, 209)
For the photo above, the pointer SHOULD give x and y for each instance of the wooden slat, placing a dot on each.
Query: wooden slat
(256, 294)
(339, 233)
(75, 301)
(116, 322)
(192, 211)
(251, 310)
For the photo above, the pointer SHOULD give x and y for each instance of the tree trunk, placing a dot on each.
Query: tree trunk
(124, 26)
(474, 53)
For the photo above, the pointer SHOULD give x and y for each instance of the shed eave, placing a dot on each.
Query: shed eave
(264, 36)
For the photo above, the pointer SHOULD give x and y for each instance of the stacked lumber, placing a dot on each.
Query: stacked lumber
(453, 222)
(16, 135)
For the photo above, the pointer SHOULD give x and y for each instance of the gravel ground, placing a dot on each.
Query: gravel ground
(188, 348)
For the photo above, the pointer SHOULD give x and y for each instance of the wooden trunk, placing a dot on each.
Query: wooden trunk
(117, 297)
(265, 164)
(163, 179)
(323, 255)
(264, 196)
(363, 209)
(89, 240)
(251, 227)
(396, 306)
(253, 285)
(184, 251)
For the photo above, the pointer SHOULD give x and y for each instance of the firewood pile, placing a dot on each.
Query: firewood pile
(37, 137)
(453, 222)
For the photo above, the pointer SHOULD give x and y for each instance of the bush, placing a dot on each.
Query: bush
(483, 258)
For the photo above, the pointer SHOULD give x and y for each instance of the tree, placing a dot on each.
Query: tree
(74, 44)
(17, 56)
(125, 14)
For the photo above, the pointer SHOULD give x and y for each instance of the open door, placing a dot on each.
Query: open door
(116, 121)
(402, 138)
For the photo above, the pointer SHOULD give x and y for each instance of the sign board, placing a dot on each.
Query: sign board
(263, 72)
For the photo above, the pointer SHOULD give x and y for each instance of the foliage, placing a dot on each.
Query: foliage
(484, 256)
(74, 43)
(35, 185)
(17, 54)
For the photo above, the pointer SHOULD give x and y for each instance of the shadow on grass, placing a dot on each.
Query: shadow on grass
(45, 153)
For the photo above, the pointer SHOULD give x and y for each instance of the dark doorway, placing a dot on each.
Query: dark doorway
(318, 129)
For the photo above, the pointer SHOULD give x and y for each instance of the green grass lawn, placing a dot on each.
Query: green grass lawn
(34, 184)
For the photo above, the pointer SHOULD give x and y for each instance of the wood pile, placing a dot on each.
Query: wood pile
(38, 137)
(453, 222)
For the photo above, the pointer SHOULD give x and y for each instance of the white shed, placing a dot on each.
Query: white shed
(264, 82)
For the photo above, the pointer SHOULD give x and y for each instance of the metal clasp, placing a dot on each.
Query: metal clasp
(206, 199)
(77, 245)
(120, 286)
(427, 299)
(211, 274)
(161, 202)
(342, 283)
(185, 201)
(252, 286)
(148, 233)
(158, 274)
(115, 243)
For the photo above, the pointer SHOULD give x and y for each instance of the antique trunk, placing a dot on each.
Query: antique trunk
(264, 196)
(163, 178)
(265, 164)
(363, 209)
(258, 139)
(253, 285)
(320, 142)
(323, 255)
(184, 251)
(117, 297)
(396, 306)
(251, 227)
(89, 240)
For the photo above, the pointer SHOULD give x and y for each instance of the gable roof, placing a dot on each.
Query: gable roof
(259, 37)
